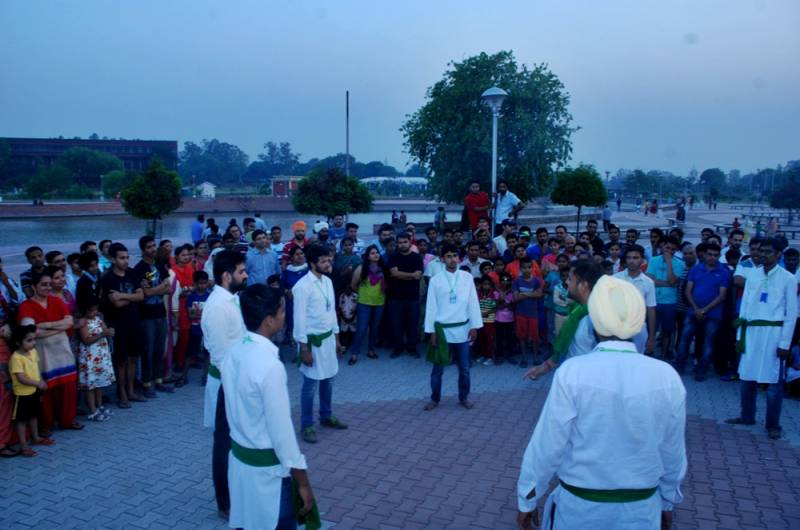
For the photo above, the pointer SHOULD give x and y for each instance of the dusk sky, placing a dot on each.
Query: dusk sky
(654, 85)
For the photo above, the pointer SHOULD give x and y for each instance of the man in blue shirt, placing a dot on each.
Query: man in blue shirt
(507, 205)
(666, 271)
(197, 229)
(262, 261)
(706, 286)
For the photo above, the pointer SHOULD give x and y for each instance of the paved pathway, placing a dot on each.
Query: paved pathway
(396, 467)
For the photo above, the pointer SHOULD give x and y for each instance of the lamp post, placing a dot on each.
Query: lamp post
(102, 195)
(493, 98)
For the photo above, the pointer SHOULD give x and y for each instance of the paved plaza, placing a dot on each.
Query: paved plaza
(397, 467)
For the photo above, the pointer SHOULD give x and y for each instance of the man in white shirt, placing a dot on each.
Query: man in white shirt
(767, 318)
(507, 205)
(452, 317)
(316, 332)
(264, 459)
(472, 260)
(223, 329)
(508, 227)
(634, 254)
(612, 430)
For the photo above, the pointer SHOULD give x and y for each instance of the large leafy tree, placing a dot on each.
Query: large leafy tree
(330, 191)
(787, 195)
(450, 137)
(153, 194)
(213, 161)
(86, 165)
(579, 187)
(713, 180)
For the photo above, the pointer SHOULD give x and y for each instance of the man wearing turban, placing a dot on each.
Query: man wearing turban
(299, 240)
(612, 429)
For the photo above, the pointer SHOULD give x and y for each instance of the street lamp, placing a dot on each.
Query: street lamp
(102, 196)
(493, 98)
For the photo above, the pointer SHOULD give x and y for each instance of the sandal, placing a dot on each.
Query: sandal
(74, 427)
(137, 398)
(7, 452)
(28, 452)
(353, 360)
(97, 416)
(124, 405)
(43, 441)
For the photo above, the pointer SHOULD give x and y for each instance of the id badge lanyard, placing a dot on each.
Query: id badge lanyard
(453, 285)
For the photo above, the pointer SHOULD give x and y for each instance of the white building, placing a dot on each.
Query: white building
(207, 190)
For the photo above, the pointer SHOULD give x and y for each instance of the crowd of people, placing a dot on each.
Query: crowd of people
(76, 324)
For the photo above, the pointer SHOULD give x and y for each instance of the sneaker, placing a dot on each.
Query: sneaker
(149, 393)
(309, 435)
(488, 362)
(334, 423)
(107, 411)
(97, 416)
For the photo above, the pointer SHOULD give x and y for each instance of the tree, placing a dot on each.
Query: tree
(787, 196)
(213, 161)
(48, 181)
(713, 180)
(86, 165)
(328, 192)
(115, 181)
(450, 136)
(579, 187)
(153, 194)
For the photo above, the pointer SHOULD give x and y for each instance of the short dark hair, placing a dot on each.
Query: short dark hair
(87, 258)
(247, 220)
(672, 240)
(756, 240)
(314, 252)
(773, 242)
(707, 229)
(656, 230)
(634, 248)
(736, 232)
(713, 246)
(145, 240)
(632, 231)
(227, 236)
(701, 248)
(276, 227)
(403, 235)
(525, 260)
(85, 245)
(587, 271)
(678, 231)
(473, 243)
(562, 226)
(72, 258)
(103, 242)
(386, 227)
(116, 248)
(36, 277)
(448, 248)
(257, 233)
(19, 334)
(199, 276)
(791, 253)
(50, 256)
(541, 230)
(201, 218)
(181, 248)
(612, 226)
(257, 302)
(348, 226)
(591, 222)
(273, 278)
(733, 254)
(226, 261)
(31, 250)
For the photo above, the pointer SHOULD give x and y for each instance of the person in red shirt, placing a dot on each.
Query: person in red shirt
(476, 203)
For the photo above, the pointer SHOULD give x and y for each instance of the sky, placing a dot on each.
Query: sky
(653, 84)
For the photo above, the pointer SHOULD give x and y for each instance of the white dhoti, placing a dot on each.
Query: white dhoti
(255, 494)
(565, 511)
(759, 362)
(210, 401)
(326, 360)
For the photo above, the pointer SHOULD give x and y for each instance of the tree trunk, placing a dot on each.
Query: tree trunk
(578, 223)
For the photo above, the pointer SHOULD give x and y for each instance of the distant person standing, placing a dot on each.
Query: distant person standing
(606, 218)
(403, 217)
(507, 205)
(395, 217)
(680, 214)
(197, 228)
(405, 270)
(619, 203)
(476, 204)
(439, 221)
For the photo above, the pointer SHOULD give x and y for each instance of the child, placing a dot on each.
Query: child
(549, 260)
(26, 380)
(528, 290)
(504, 321)
(347, 304)
(194, 306)
(561, 300)
(487, 298)
(614, 251)
(487, 269)
(95, 369)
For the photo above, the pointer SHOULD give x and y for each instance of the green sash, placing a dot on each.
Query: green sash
(567, 332)
(592, 495)
(213, 371)
(319, 338)
(268, 458)
(740, 322)
(440, 354)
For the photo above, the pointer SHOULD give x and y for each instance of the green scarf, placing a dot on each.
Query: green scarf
(567, 332)
(440, 354)
(268, 458)
(741, 344)
(314, 341)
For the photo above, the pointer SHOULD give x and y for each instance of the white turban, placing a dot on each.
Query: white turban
(320, 226)
(616, 308)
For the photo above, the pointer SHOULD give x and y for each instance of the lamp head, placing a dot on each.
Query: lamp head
(493, 98)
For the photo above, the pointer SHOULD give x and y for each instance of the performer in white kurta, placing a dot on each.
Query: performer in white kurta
(452, 317)
(767, 318)
(316, 331)
(612, 429)
(264, 451)
(223, 328)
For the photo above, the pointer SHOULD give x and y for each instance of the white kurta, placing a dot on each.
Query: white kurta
(223, 328)
(647, 287)
(259, 414)
(760, 362)
(612, 420)
(584, 340)
(315, 313)
(463, 306)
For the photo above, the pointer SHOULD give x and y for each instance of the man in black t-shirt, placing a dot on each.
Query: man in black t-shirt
(405, 269)
(154, 281)
(120, 304)
(87, 288)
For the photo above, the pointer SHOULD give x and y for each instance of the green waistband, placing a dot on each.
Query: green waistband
(254, 457)
(319, 338)
(592, 495)
(213, 371)
(440, 354)
(741, 344)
